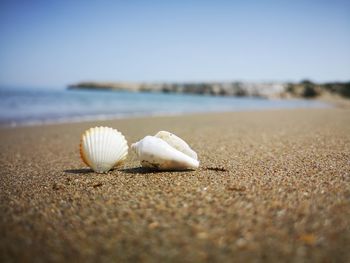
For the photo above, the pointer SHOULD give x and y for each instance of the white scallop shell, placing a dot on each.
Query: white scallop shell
(170, 153)
(103, 148)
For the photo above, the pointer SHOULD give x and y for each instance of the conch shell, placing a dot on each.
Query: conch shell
(103, 148)
(165, 151)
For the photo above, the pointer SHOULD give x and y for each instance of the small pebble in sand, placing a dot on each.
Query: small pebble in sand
(308, 239)
(57, 186)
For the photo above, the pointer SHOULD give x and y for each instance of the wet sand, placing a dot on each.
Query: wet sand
(273, 186)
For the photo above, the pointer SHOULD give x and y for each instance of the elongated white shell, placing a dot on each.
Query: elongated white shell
(176, 142)
(103, 148)
(157, 153)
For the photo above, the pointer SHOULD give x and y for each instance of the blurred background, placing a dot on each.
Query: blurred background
(259, 49)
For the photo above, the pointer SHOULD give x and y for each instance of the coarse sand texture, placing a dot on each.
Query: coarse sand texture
(272, 186)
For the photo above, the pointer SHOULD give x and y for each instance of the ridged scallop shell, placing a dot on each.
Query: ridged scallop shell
(102, 148)
(165, 151)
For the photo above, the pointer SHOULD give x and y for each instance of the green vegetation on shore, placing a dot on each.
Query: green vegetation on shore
(308, 89)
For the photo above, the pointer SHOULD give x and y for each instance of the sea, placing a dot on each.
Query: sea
(37, 106)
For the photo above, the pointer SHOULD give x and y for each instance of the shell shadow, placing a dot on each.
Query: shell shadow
(134, 170)
(144, 170)
(79, 171)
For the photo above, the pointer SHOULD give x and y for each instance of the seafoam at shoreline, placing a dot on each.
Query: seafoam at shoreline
(111, 117)
(28, 107)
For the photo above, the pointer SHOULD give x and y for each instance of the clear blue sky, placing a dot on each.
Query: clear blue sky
(53, 43)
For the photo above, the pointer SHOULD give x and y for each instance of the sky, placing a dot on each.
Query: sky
(55, 43)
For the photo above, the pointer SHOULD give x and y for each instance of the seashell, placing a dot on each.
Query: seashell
(165, 151)
(176, 142)
(103, 148)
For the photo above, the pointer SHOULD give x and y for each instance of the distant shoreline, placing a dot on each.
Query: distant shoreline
(269, 90)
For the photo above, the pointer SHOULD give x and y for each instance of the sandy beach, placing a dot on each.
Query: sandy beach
(273, 186)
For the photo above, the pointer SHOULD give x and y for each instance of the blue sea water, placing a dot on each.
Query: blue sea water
(31, 106)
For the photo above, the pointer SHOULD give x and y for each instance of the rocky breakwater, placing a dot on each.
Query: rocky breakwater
(303, 89)
(266, 90)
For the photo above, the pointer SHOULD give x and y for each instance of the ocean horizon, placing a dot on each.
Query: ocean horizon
(23, 106)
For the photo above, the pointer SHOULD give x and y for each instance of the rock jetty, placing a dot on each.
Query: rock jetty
(304, 89)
